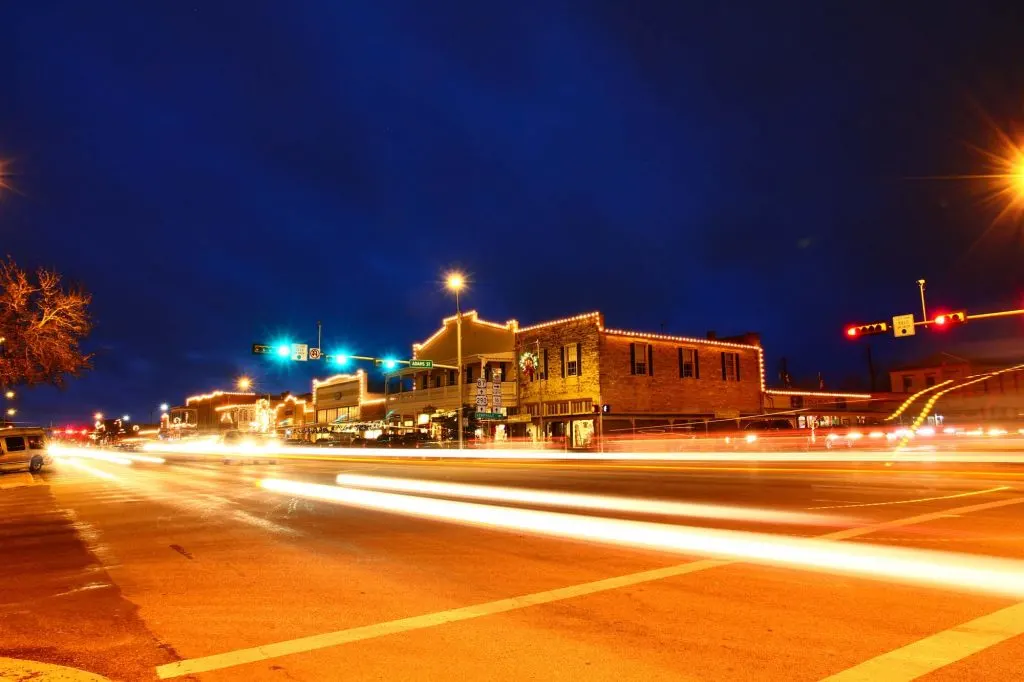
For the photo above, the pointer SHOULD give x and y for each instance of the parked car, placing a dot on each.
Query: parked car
(23, 448)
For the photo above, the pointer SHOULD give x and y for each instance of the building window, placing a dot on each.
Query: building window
(571, 360)
(469, 374)
(437, 381)
(929, 380)
(796, 402)
(452, 377)
(908, 383)
(557, 408)
(641, 359)
(730, 366)
(581, 406)
(689, 364)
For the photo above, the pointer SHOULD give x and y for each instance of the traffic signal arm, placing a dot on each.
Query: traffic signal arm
(858, 330)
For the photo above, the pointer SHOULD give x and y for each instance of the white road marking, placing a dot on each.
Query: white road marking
(330, 639)
(939, 650)
(919, 499)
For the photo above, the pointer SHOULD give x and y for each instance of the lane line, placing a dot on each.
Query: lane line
(920, 499)
(939, 650)
(314, 642)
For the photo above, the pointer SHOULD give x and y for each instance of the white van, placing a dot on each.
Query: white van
(23, 448)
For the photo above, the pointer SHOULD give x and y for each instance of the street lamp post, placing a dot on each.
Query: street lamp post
(924, 310)
(455, 282)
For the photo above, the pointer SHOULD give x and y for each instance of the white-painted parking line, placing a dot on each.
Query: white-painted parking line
(330, 639)
(939, 650)
(919, 499)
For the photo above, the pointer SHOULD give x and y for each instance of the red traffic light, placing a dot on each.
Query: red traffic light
(851, 332)
(950, 319)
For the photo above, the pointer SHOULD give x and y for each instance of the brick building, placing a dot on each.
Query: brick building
(577, 377)
(205, 413)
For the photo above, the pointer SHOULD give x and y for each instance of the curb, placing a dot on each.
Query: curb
(18, 670)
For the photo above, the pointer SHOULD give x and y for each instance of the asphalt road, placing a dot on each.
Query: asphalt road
(192, 570)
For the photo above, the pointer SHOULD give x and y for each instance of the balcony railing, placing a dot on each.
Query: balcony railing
(449, 395)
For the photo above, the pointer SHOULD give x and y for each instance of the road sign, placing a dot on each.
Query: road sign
(489, 415)
(300, 352)
(496, 395)
(421, 364)
(314, 354)
(903, 325)
(262, 349)
(481, 400)
(481, 384)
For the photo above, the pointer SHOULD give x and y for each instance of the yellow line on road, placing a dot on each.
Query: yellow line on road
(330, 639)
(939, 650)
(919, 499)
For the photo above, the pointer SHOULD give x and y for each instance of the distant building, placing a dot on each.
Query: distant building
(203, 413)
(347, 398)
(991, 389)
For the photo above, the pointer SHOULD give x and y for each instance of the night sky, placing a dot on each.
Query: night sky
(219, 173)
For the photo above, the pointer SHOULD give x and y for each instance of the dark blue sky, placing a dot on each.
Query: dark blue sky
(218, 173)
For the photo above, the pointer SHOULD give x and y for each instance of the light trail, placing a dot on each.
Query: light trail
(525, 454)
(114, 456)
(549, 498)
(991, 575)
(89, 469)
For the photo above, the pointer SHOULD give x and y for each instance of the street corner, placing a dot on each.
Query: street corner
(19, 670)
(20, 479)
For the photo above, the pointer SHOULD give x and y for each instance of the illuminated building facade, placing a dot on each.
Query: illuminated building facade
(579, 378)
(347, 398)
(415, 395)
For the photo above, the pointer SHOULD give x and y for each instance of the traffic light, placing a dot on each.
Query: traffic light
(858, 330)
(386, 363)
(341, 360)
(284, 350)
(947, 320)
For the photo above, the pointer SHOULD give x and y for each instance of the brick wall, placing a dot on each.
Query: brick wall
(664, 391)
(556, 387)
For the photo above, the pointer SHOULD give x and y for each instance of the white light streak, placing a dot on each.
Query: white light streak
(956, 571)
(550, 498)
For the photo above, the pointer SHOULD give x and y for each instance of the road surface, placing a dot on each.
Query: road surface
(194, 570)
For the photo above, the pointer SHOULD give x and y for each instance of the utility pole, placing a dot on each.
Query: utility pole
(871, 366)
(458, 352)
(540, 401)
(924, 309)
(319, 329)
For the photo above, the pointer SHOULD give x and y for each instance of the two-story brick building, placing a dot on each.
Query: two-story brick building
(578, 378)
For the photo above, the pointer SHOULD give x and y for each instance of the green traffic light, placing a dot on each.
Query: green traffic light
(390, 364)
(284, 350)
(341, 360)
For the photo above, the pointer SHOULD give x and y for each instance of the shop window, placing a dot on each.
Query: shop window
(929, 380)
(908, 383)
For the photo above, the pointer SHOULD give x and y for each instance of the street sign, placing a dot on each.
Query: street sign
(489, 415)
(481, 401)
(262, 349)
(481, 384)
(314, 353)
(300, 352)
(496, 395)
(421, 364)
(903, 325)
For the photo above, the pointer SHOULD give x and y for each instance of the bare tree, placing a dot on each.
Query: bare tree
(42, 325)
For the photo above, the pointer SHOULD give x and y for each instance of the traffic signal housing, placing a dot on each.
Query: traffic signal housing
(947, 320)
(858, 330)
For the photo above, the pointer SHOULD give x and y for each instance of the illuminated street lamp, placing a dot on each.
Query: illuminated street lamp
(126, 418)
(456, 282)
(164, 407)
(11, 412)
(9, 394)
(98, 416)
(243, 383)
